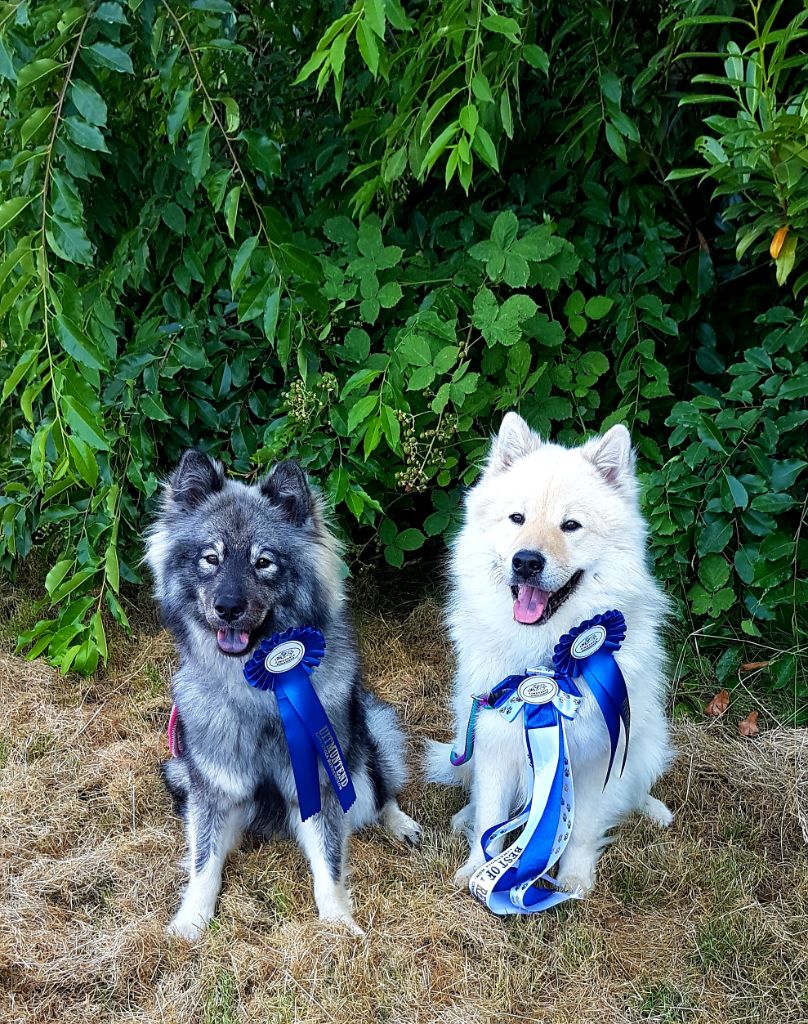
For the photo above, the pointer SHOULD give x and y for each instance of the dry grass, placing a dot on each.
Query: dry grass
(707, 921)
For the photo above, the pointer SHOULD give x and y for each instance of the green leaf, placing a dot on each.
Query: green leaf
(231, 210)
(174, 217)
(264, 153)
(361, 410)
(615, 141)
(111, 567)
(375, 17)
(483, 144)
(84, 423)
(598, 306)
(88, 102)
(21, 368)
(78, 345)
(415, 350)
(271, 307)
(34, 123)
(199, 152)
(36, 71)
(178, 112)
(503, 26)
(410, 540)
(86, 136)
(739, 493)
(83, 459)
(714, 571)
(481, 88)
(421, 378)
(714, 537)
(11, 209)
(505, 229)
(368, 47)
(389, 294)
(241, 263)
(536, 57)
(106, 55)
(57, 574)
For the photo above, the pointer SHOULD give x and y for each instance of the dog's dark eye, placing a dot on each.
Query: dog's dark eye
(262, 563)
(212, 559)
(570, 525)
(516, 517)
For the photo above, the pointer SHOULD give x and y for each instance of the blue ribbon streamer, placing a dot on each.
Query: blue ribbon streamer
(507, 882)
(602, 675)
(284, 664)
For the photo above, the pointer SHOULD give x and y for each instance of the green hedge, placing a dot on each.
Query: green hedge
(222, 226)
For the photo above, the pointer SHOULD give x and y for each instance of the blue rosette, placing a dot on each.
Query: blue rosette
(256, 672)
(283, 665)
(587, 652)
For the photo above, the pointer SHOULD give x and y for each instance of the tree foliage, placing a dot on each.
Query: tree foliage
(258, 230)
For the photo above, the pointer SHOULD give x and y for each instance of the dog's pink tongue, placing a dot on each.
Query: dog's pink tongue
(529, 604)
(231, 641)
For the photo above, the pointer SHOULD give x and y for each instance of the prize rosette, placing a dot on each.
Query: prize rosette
(283, 665)
(258, 674)
(587, 652)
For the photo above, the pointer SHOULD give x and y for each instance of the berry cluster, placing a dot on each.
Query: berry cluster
(429, 449)
(305, 404)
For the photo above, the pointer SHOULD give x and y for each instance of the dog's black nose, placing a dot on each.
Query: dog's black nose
(528, 563)
(229, 608)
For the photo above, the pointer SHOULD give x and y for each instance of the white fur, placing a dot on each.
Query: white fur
(595, 485)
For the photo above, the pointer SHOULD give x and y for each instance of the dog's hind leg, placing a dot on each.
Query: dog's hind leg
(323, 838)
(212, 831)
(658, 812)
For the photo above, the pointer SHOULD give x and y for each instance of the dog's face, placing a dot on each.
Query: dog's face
(548, 515)
(240, 562)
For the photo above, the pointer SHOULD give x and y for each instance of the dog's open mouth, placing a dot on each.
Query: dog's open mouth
(232, 641)
(533, 606)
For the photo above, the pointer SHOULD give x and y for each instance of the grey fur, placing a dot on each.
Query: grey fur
(233, 773)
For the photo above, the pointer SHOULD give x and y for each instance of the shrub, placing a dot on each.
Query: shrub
(226, 227)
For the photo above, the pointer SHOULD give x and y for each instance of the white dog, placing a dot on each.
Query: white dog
(554, 536)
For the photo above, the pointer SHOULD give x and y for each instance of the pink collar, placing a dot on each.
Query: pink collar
(173, 738)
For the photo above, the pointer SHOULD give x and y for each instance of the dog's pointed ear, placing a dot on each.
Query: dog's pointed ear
(514, 440)
(287, 486)
(612, 455)
(196, 478)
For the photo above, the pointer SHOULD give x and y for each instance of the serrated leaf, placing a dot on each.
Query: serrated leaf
(598, 306)
(421, 378)
(410, 540)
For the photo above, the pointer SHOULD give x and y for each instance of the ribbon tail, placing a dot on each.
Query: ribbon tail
(302, 754)
(609, 690)
(321, 735)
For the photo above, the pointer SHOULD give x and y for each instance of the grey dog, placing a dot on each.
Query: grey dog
(234, 564)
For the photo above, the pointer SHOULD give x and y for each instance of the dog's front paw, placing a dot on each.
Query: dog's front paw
(186, 926)
(578, 875)
(344, 919)
(400, 825)
(463, 875)
(462, 821)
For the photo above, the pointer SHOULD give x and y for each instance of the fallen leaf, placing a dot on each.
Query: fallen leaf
(748, 726)
(777, 242)
(753, 666)
(718, 705)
